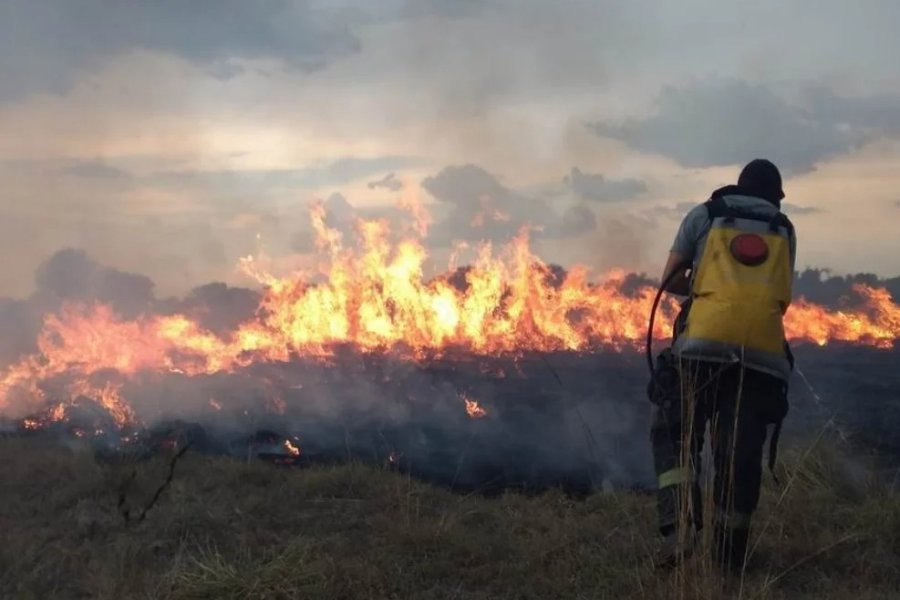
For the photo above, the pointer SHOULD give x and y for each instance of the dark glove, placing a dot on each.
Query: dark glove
(664, 387)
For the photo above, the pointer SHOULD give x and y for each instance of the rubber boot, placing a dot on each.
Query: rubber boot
(730, 546)
(675, 548)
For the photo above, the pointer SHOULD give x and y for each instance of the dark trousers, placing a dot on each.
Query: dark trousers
(735, 404)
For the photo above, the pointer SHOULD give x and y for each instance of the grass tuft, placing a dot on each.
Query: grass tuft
(229, 529)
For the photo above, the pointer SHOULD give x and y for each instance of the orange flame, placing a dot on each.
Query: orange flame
(108, 397)
(876, 322)
(291, 448)
(376, 298)
(472, 409)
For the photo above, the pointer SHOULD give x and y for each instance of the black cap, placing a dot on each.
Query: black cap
(761, 178)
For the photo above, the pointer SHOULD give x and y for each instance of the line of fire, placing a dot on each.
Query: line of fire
(505, 373)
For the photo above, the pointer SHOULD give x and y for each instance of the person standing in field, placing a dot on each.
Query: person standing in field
(733, 257)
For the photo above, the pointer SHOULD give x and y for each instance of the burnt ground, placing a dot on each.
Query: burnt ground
(93, 517)
(554, 420)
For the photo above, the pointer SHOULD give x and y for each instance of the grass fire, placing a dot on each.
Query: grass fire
(449, 300)
(505, 376)
(374, 299)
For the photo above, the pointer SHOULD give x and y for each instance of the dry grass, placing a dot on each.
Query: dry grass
(227, 529)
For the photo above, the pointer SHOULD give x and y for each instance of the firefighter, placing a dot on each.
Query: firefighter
(733, 257)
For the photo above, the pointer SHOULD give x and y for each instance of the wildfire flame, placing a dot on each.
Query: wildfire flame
(376, 298)
(472, 409)
(291, 448)
(876, 322)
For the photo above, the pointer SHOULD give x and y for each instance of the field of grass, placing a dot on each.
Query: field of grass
(229, 529)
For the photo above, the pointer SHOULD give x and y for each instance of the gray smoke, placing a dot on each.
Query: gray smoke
(575, 420)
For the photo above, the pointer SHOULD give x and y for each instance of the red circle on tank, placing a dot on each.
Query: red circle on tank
(749, 249)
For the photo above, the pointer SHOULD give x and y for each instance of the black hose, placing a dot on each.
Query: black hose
(678, 270)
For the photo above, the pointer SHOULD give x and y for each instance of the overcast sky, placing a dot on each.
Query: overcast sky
(170, 137)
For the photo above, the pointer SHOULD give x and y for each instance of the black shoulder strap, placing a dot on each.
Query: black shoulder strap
(716, 207)
(781, 220)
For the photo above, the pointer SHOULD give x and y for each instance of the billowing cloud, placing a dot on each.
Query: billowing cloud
(333, 173)
(388, 182)
(171, 138)
(71, 275)
(211, 34)
(875, 115)
(730, 122)
(96, 170)
(467, 185)
(473, 206)
(482, 208)
(576, 220)
(823, 287)
(366, 11)
(179, 222)
(676, 212)
(597, 188)
(793, 209)
(215, 306)
(342, 216)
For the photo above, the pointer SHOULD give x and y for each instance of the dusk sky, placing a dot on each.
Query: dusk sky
(171, 138)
